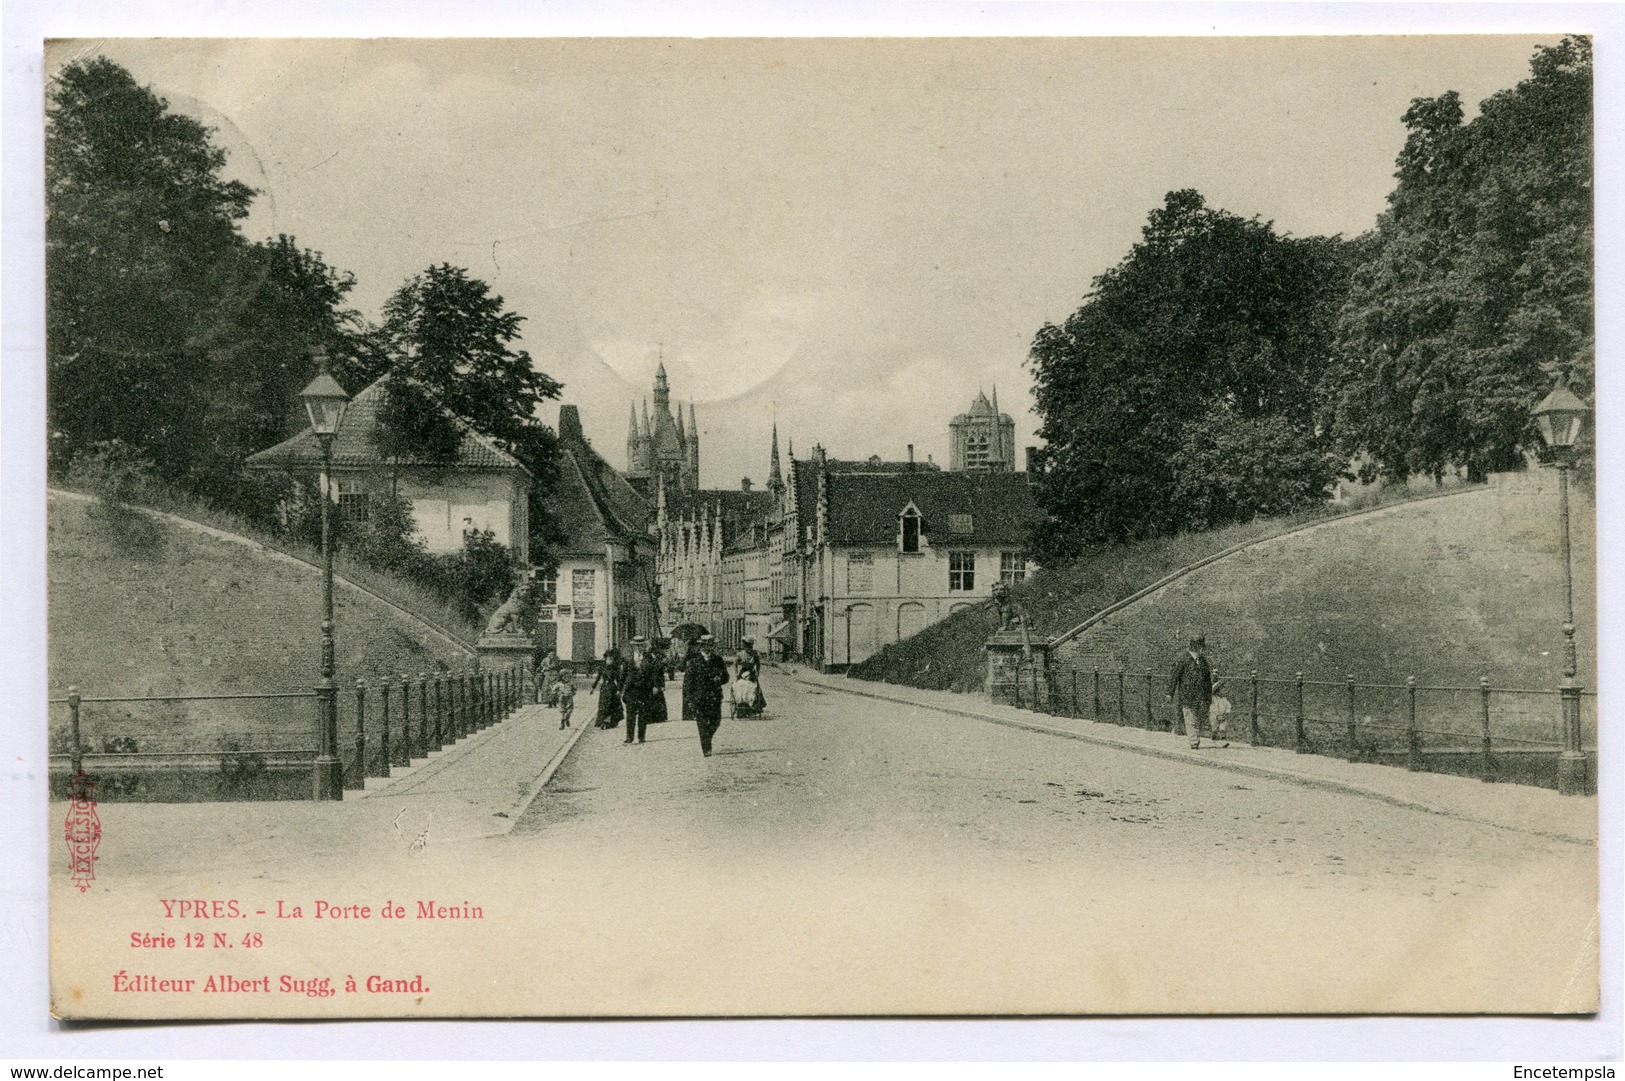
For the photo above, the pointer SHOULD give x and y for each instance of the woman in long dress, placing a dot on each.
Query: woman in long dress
(607, 682)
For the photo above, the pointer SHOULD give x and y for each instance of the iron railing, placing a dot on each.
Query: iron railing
(1498, 733)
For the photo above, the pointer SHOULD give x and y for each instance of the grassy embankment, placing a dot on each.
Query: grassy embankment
(142, 606)
(1445, 590)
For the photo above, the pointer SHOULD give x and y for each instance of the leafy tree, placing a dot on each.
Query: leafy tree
(1213, 329)
(446, 344)
(1477, 285)
(141, 244)
(166, 331)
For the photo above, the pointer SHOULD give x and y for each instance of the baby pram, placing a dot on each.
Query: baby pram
(745, 698)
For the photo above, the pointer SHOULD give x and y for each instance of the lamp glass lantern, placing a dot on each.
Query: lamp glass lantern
(325, 401)
(1561, 416)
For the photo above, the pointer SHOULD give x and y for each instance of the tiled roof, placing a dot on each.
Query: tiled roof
(353, 446)
(876, 465)
(863, 507)
(592, 503)
(738, 505)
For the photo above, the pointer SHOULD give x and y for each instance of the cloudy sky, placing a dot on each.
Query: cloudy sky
(851, 236)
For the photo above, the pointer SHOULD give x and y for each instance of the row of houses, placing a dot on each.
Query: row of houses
(836, 558)
(829, 561)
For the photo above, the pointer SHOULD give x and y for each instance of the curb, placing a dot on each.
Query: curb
(435, 763)
(1274, 773)
(518, 810)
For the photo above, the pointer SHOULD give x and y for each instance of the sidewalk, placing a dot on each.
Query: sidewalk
(476, 788)
(1522, 808)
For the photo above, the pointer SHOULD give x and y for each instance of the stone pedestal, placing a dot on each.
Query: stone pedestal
(499, 652)
(1018, 669)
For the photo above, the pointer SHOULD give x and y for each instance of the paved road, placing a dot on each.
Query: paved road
(924, 855)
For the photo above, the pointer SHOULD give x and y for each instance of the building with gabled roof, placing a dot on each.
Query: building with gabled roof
(888, 554)
(484, 487)
(602, 591)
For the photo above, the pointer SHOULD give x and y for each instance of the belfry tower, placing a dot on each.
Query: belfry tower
(661, 449)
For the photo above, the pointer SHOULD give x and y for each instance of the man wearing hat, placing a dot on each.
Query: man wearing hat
(641, 682)
(1191, 686)
(704, 676)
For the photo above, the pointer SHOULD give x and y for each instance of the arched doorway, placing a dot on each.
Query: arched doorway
(910, 619)
(860, 633)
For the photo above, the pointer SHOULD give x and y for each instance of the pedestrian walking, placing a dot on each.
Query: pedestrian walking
(641, 683)
(607, 682)
(564, 693)
(749, 666)
(546, 673)
(704, 676)
(1191, 687)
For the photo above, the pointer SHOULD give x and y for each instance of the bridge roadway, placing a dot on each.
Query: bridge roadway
(848, 852)
(850, 855)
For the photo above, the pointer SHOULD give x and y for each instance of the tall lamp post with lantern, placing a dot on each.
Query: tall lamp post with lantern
(325, 402)
(1562, 416)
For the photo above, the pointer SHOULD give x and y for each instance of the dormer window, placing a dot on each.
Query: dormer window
(911, 529)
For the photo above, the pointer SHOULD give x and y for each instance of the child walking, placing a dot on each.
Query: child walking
(564, 693)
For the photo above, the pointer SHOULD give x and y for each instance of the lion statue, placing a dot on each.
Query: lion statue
(509, 619)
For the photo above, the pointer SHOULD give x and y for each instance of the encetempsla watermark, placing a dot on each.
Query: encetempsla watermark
(1577, 1073)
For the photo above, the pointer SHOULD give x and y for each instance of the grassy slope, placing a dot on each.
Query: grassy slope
(138, 606)
(1446, 590)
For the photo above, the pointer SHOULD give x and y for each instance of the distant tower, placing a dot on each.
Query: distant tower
(775, 475)
(982, 439)
(693, 448)
(662, 450)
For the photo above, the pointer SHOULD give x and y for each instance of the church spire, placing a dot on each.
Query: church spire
(662, 388)
(775, 476)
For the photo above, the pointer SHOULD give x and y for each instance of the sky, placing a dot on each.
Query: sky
(848, 237)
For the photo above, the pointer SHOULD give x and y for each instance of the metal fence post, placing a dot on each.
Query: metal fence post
(1300, 742)
(1076, 712)
(360, 735)
(1150, 718)
(1413, 738)
(423, 713)
(439, 712)
(1353, 734)
(384, 759)
(73, 725)
(1255, 736)
(1097, 693)
(1487, 763)
(1122, 697)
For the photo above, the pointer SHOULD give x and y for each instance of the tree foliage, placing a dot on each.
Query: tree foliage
(1478, 284)
(165, 329)
(1206, 342)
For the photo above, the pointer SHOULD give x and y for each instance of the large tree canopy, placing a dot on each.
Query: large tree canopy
(165, 330)
(1478, 284)
(1168, 397)
(447, 344)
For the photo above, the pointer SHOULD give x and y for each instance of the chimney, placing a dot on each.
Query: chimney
(744, 484)
(911, 457)
(570, 425)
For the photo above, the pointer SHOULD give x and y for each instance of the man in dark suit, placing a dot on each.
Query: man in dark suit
(704, 676)
(641, 682)
(1191, 687)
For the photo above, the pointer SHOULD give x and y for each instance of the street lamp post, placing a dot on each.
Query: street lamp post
(325, 402)
(1562, 416)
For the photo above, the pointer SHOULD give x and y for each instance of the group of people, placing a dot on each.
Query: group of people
(633, 688)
